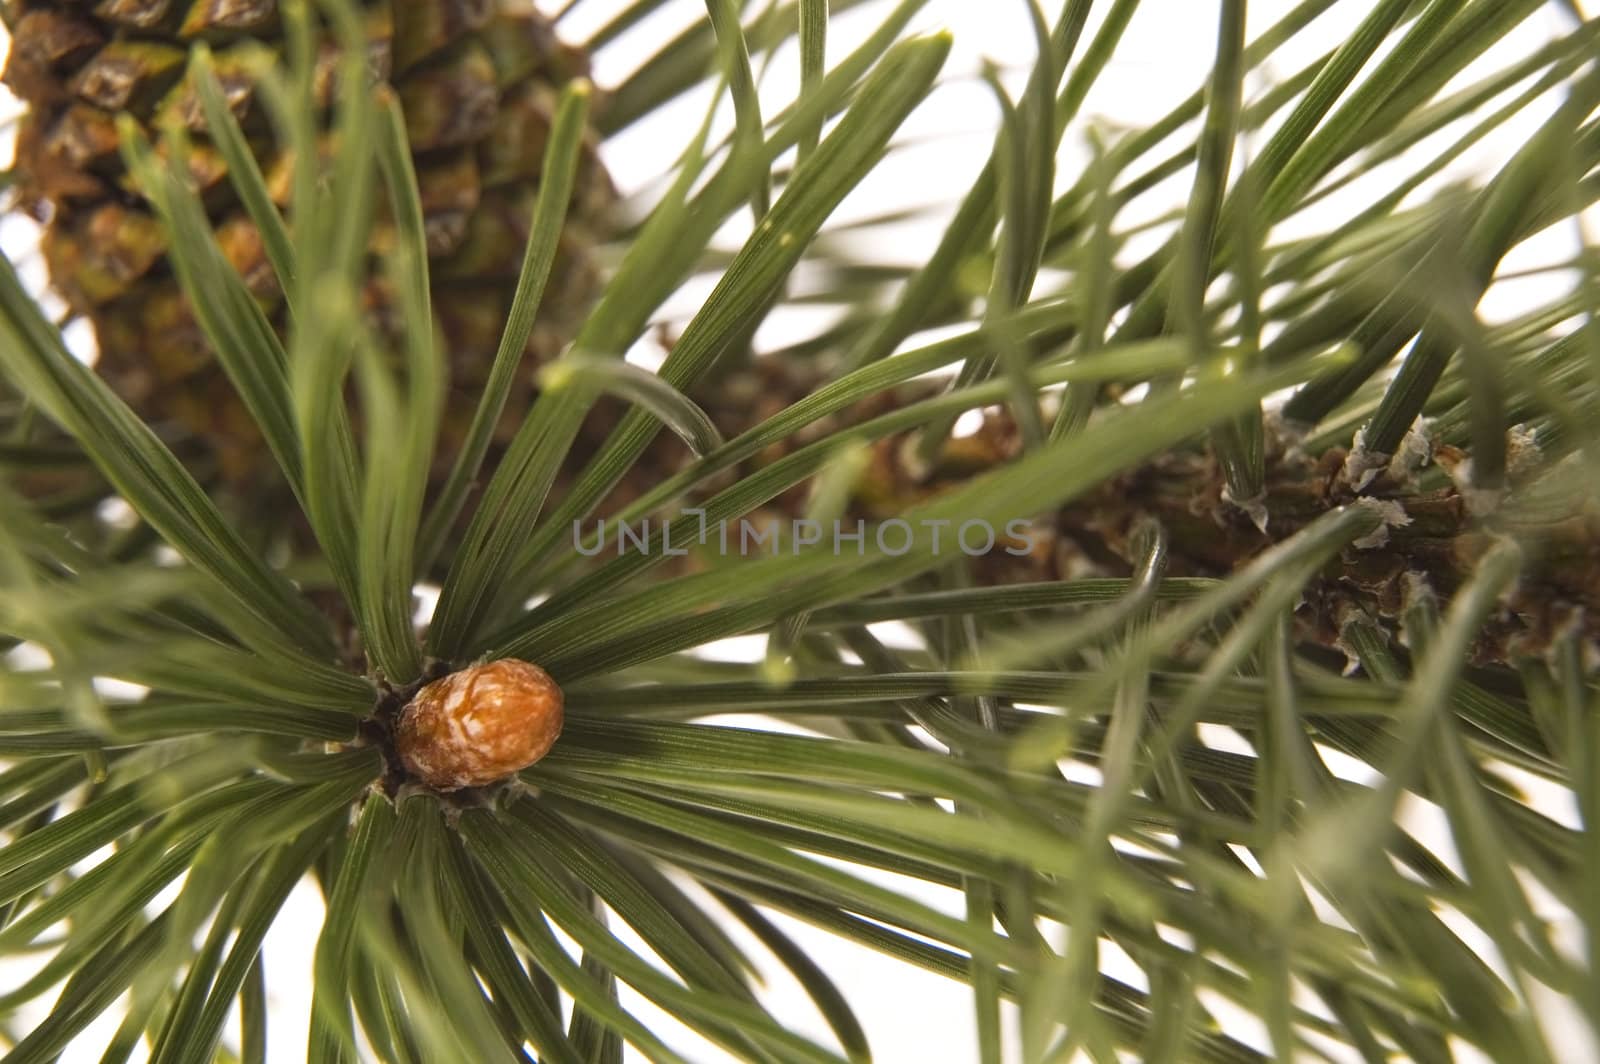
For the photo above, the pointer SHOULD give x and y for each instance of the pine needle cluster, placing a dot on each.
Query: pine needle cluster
(1314, 545)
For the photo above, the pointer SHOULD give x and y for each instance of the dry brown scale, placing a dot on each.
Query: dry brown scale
(478, 725)
(463, 734)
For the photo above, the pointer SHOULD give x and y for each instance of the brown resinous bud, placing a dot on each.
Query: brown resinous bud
(479, 725)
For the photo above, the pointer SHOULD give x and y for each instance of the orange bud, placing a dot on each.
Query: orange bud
(479, 725)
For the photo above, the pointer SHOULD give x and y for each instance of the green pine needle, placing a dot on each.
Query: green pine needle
(1142, 776)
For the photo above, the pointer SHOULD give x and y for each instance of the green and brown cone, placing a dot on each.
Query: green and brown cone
(477, 81)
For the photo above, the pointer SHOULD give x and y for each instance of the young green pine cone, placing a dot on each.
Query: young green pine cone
(478, 82)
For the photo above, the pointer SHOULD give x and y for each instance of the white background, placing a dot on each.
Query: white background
(912, 1016)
